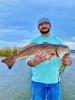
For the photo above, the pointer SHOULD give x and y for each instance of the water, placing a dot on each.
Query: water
(15, 84)
(68, 82)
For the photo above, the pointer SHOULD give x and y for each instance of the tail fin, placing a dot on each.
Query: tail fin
(9, 62)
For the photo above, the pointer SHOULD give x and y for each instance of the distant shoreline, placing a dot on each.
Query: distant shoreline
(72, 51)
(8, 52)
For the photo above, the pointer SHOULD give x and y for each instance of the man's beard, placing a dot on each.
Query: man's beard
(45, 32)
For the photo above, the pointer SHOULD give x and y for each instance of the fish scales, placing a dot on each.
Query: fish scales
(52, 51)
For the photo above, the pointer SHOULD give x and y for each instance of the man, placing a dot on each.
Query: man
(45, 76)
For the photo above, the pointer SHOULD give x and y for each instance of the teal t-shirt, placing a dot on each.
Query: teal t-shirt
(47, 72)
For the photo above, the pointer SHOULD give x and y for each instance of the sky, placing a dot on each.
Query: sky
(19, 20)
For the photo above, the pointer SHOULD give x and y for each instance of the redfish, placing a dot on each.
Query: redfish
(52, 51)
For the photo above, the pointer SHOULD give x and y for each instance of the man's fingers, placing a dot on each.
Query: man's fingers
(66, 59)
(43, 57)
(40, 56)
(37, 57)
(38, 52)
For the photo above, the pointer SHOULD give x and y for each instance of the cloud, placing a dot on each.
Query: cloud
(26, 13)
(16, 35)
(18, 19)
(44, 2)
(6, 44)
(70, 44)
(57, 3)
(73, 38)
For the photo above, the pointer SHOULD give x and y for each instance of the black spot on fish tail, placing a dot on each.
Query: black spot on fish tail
(8, 62)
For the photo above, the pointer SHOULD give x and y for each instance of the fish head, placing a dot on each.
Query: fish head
(63, 50)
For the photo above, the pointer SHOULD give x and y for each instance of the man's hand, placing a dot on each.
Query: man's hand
(67, 60)
(39, 57)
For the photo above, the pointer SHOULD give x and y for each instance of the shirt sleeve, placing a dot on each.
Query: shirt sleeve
(29, 58)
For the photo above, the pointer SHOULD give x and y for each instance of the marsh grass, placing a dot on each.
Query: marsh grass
(6, 52)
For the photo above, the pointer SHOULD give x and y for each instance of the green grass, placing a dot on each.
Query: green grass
(8, 52)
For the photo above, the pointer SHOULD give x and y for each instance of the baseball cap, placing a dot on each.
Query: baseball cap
(43, 20)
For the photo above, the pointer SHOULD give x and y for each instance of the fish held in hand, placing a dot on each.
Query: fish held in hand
(52, 51)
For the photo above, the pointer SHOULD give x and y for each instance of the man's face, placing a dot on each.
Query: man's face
(44, 28)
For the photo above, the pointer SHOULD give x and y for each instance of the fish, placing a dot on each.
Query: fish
(51, 50)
